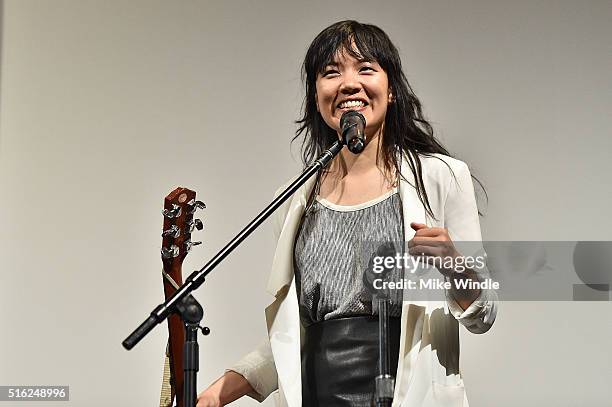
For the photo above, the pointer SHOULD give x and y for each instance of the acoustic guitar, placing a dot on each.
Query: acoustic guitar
(179, 208)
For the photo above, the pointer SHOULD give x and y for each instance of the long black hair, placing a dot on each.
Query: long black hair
(405, 130)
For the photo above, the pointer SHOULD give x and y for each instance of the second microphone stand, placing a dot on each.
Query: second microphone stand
(384, 382)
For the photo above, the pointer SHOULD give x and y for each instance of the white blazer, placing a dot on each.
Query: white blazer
(428, 366)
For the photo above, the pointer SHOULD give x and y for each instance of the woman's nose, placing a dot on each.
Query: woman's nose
(350, 84)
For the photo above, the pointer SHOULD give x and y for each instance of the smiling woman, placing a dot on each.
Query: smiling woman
(322, 348)
(353, 61)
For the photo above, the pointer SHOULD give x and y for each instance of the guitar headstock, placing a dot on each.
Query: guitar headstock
(179, 221)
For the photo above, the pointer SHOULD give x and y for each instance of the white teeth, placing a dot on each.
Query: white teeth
(351, 103)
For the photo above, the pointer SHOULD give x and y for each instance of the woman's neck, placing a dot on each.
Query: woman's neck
(356, 178)
(357, 164)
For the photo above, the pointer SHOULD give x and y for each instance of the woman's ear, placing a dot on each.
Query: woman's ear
(317, 102)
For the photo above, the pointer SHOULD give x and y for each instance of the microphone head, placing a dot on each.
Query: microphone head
(353, 124)
(351, 118)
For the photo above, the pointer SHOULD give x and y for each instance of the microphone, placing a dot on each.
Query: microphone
(353, 124)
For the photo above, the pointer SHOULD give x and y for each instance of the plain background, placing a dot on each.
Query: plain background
(108, 105)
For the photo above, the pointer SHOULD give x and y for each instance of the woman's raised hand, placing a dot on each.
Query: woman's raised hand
(432, 242)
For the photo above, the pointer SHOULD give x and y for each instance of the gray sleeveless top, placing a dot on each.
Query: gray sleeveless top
(332, 251)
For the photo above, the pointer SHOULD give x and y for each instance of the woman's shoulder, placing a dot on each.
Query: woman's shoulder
(285, 184)
(438, 165)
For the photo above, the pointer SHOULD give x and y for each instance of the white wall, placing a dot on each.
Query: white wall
(108, 105)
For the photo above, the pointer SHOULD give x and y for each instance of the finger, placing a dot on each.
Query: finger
(431, 232)
(443, 246)
(435, 247)
(422, 240)
(423, 250)
(416, 226)
(419, 250)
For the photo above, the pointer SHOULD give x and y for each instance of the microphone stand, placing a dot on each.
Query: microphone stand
(191, 312)
(182, 299)
(384, 382)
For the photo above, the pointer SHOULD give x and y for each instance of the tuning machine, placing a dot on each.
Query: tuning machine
(189, 244)
(194, 224)
(195, 205)
(175, 212)
(170, 253)
(174, 232)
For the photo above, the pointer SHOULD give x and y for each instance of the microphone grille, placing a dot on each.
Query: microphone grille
(351, 116)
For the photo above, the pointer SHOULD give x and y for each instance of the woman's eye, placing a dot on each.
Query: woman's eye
(366, 68)
(329, 72)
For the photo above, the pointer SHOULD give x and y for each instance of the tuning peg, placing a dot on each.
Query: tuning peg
(189, 244)
(175, 212)
(196, 205)
(174, 231)
(194, 224)
(172, 252)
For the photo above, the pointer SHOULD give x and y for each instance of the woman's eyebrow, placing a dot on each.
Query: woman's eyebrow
(359, 60)
(363, 59)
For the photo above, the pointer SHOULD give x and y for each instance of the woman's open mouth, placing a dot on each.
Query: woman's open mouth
(357, 105)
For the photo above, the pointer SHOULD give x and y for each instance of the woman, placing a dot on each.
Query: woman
(322, 345)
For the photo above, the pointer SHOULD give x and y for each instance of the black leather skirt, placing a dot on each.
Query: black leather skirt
(340, 361)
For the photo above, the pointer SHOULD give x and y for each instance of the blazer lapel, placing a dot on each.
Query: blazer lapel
(282, 264)
(412, 312)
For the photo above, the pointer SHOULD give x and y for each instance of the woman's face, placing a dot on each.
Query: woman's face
(352, 84)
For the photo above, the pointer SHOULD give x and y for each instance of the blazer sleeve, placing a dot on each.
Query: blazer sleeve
(461, 220)
(259, 370)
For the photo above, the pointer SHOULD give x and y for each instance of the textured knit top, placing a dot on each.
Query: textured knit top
(333, 253)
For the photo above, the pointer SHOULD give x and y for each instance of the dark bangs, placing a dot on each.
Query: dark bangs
(361, 41)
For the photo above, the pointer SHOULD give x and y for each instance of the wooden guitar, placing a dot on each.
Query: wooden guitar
(179, 208)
